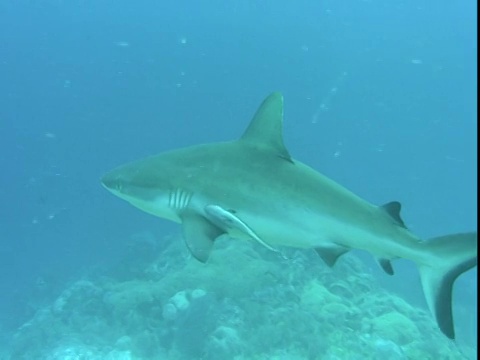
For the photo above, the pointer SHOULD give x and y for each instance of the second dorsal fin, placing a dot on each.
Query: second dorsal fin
(393, 209)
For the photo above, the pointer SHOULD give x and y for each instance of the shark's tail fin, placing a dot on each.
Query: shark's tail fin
(450, 256)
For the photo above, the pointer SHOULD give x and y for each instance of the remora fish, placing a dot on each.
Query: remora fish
(252, 189)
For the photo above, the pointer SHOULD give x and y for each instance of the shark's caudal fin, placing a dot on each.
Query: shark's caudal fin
(452, 255)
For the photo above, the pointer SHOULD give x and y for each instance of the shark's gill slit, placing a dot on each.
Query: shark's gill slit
(172, 199)
(181, 195)
(184, 198)
(179, 199)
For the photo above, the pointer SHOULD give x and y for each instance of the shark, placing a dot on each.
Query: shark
(251, 188)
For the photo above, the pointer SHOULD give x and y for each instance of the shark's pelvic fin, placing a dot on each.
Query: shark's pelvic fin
(331, 253)
(199, 234)
(393, 209)
(454, 254)
(266, 128)
(386, 265)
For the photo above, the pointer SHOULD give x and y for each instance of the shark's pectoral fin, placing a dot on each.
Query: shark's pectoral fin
(386, 265)
(199, 235)
(330, 254)
(231, 224)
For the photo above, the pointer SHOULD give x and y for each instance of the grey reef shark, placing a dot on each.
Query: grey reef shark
(251, 188)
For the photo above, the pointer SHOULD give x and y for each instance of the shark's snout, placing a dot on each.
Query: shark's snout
(112, 181)
(128, 181)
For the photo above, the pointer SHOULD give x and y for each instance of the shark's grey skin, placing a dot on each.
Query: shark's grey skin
(252, 189)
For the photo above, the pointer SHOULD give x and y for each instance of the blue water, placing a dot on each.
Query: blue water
(379, 95)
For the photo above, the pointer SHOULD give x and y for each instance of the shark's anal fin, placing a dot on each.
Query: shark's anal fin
(230, 223)
(331, 254)
(199, 235)
(386, 265)
(393, 209)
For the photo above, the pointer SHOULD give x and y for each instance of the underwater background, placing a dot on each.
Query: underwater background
(379, 95)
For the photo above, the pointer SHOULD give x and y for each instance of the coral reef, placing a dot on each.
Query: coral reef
(246, 303)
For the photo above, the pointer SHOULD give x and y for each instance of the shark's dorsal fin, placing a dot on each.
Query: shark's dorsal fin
(266, 128)
(393, 209)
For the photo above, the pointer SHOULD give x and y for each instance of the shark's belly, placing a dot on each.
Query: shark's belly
(304, 230)
(295, 230)
(292, 222)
